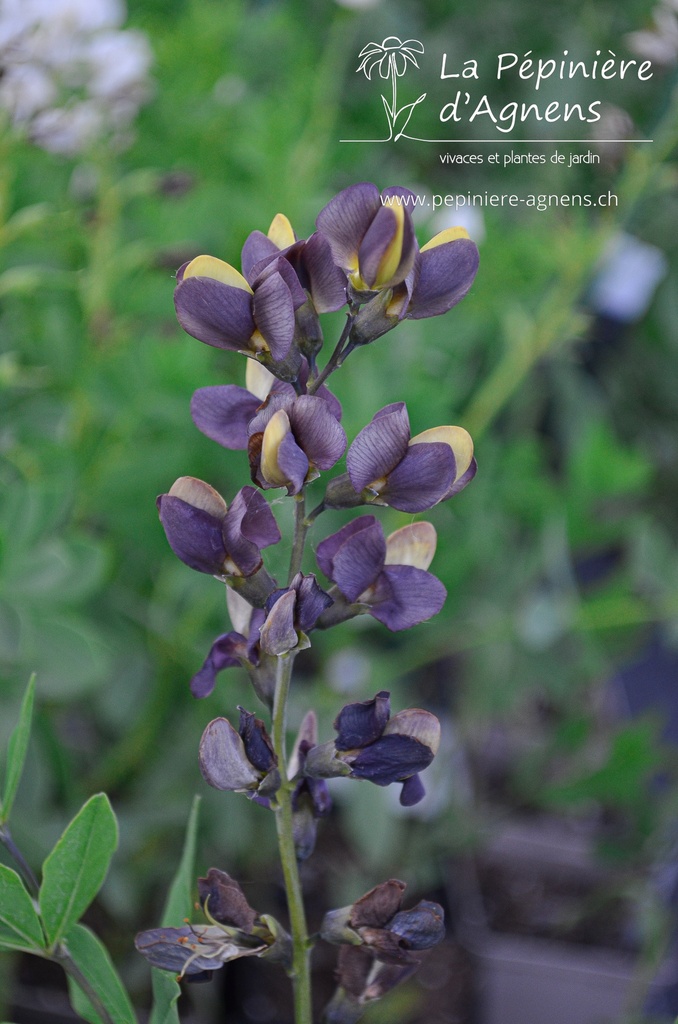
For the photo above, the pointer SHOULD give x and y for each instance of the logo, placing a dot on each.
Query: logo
(391, 58)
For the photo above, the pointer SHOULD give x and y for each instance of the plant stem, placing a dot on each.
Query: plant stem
(301, 525)
(301, 966)
(21, 862)
(63, 957)
(335, 360)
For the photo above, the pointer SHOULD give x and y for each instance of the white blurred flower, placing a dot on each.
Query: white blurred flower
(71, 75)
(628, 278)
(660, 43)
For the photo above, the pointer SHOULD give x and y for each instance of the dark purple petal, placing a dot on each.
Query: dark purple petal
(258, 746)
(391, 759)
(293, 463)
(363, 722)
(464, 479)
(421, 927)
(283, 267)
(226, 902)
(324, 280)
(345, 220)
(216, 313)
(320, 796)
(279, 398)
(312, 601)
(405, 596)
(274, 314)
(412, 791)
(222, 413)
(248, 521)
(170, 948)
(379, 446)
(358, 562)
(328, 547)
(225, 652)
(376, 908)
(257, 247)
(375, 244)
(258, 523)
(193, 534)
(223, 761)
(446, 273)
(421, 479)
(317, 431)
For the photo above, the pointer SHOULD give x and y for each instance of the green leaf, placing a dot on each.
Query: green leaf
(16, 750)
(19, 922)
(179, 905)
(75, 870)
(92, 958)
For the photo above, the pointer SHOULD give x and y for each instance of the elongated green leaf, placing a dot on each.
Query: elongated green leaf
(92, 959)
(179, 905)
(19, 922)
(75, 870)
(16, 750)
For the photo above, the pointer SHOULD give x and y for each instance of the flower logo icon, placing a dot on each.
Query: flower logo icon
(391, 58)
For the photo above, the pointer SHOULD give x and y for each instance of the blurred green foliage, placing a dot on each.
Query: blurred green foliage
(96, 377)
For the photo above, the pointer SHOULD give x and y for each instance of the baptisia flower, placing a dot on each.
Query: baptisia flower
(371, 235)
(442, 273)
(372, 745)
(217, 305)
(310, 258)
(239, 647)
(223, 412)
(381, 946)
(311, 797)
(234, 930)
(291, 614)
(385, 577)
(292, 439)
(387, 466)
(223, 540)
(241, 761)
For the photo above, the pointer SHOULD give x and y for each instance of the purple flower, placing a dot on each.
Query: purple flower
(381, 946)
(311, 797)
(371, 235)
(386, 576)
(234, 930)
(242, 761)
(291, 614)
(441, 275)
(223, 412)
(292, 439)
(212, 537)
(311, 260)
(215, 304)
(231, 649)
(387, 466)
(372, 745)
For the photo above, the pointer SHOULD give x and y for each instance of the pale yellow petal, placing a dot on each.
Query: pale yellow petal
(459, 440)
(390, 261)
(199, 494)
(258, 380)
(448, 235)
(419, 724)
(239, 610)
(276, 429)
(281, 231)
(210, 266)
(414, 544)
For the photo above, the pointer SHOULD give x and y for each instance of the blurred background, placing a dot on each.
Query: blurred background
(133, 139)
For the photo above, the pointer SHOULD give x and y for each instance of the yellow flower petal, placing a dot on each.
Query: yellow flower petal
(393, 254)
(199, 494)
(258, 380)
(276, 429)
(281, 231)
(459, 440)
(414, 544)
(448, 235)
(210, 266)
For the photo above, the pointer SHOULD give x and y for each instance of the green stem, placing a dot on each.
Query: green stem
(19, 859)
(301, 956)
(63, 957)
(336, 359)
(301, 525)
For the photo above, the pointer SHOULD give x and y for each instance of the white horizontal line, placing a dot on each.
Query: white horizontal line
(514, 142)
